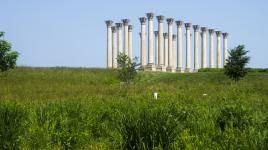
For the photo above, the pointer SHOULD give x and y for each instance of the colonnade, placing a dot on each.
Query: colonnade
(164, 49)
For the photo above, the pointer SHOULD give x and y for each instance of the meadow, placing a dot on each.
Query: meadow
(78, 108)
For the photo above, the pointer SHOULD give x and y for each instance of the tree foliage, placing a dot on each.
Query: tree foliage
(8, 57)
(127, 68)
(236, 62)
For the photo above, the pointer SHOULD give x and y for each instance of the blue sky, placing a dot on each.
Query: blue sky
(73, 33)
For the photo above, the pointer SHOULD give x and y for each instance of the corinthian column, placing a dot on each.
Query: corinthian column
(150, 65)
(174, 36)
(119, 37)
(143, 42)
(114, 47)
(179, 46)
(225, 48)
(156, 47)
(125, 23)
(204, 47)
(160, 66)
(218, 33)
(130, 47)
(109, 43)
(170, 67)
(211, 48)
(165, 49)
(196, 31)
(188, 47)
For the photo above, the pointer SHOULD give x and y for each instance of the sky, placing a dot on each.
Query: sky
(72, 33)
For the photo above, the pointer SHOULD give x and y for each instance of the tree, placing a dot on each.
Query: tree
(127, 68)
(8, 57)
(236, 62)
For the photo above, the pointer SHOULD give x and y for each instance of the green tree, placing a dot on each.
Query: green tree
(8, 57)
(236, 62)
(127, 68)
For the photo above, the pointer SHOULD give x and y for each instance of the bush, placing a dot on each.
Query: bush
(127, 68)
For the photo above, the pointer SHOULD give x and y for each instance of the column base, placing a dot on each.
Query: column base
(195, 70)
(170, 69)
(180, 69)
(161, 68)
(150, 67)
(188, 70)
(142, 68)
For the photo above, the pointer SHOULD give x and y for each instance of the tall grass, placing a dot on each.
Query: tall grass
(65, 108)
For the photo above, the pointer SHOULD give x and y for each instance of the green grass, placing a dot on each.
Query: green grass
(77, 108)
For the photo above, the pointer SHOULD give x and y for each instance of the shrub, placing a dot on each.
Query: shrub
(127, 68)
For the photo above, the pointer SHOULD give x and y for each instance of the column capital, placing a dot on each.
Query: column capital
(204, 29)
(114, 29)
(143, 20)
(211, 31)
(170, 21)
(109, 23)
(130, 27)
(225, 34)
(160, 18)
(218, 33)
(187, 25)
(150, 16)
(156, 33)
(174, 36)
(179, 23)
(119, 25)
(165, 35)
(125, 21)
(196, 28)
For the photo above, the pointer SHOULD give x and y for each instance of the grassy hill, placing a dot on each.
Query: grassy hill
(77, 108)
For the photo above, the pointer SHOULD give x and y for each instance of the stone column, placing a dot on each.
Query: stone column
(188, 47)
(204, 47)
(211, 48)
(218, 33)
(130, 47)
(160, 66)
(119, 37)
(179, 46)
(109, 43)
(150, 65)
(170, 67)
(174, 48)
(196, 55)
(225, 48)
(165, 49)
(114, 47)
(156, 48)
(125, 23)
(143, 42)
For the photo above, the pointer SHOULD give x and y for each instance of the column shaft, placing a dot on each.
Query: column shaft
(114, 47)
(196, 55)
(174, 45)
(160, 66)
(179, 46)
(218, 33)
(119, 37)
(143, 42)
(170, 47)
(211, 48)
(165, 49)
(188, 47)
(225, 48)
(125, 23)
(204, 47)
(130, 46)
(109, 43)
(150, 17)
(156, 48)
